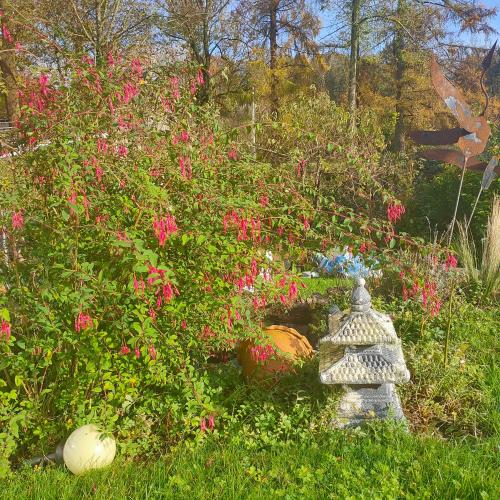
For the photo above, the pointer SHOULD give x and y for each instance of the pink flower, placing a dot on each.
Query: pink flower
(83, 322)
(254, 268)
(110, 59)
(283, 299)
(125, 349)
(136, 67)
(139, 285)
(152, 352)
(264, 200)
(293, 291)
(184, 137)
(98, 173)
(129, 92)
(232, 154)
(174, 85)
(203, 425)
(255, 303)
(395, 212)
(451, 261)
(199, 77)
(152, 314)
(436, 307)
(17, 220)
(137, 353)
(184, 324)
(122, 150)
(102, 146)
(5, 330)
(43, 80)
(261, 353)
(6, 34)
(192, 87)
(167, 105)
(211, 422)
(164, 227)
(242, 234)
(256, 226)
(168, 292)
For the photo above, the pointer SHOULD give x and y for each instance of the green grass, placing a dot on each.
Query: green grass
(382, 462)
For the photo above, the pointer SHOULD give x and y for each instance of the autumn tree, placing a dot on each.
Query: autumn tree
(285, 28)
(205, 30)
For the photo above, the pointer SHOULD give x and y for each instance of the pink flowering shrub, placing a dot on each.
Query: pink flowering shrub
(136, 240)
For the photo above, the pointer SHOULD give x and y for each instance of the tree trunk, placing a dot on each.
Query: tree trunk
(273, 50)
(353, 64)
(8, 71)
(204, 91)
(398, 141)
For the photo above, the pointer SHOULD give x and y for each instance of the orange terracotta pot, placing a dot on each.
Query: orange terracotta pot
(288, 345)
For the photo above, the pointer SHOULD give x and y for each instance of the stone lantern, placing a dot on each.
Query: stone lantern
(363, 353)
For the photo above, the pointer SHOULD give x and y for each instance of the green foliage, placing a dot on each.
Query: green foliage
(311, 144)
(431, 209)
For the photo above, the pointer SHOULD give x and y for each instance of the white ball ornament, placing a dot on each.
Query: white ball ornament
(85, 449)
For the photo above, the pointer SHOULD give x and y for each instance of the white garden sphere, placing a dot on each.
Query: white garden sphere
(85, 450)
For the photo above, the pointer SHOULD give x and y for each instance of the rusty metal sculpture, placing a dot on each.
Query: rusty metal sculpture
(471, 136)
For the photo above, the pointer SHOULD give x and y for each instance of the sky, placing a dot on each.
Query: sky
(473, 40)
(481, 40)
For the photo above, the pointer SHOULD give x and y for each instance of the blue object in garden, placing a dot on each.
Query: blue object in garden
(344, 265)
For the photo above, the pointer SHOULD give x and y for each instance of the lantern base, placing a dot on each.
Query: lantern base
(365, 403)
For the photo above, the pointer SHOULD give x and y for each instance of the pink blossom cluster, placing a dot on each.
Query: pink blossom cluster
(6, 34)
(207, 423)
(395, 212)
(129, 91)
(83, 322)
(428, 293)
(164, 290)
(451, 261)
(137, 67)
(248, 280)
(259, 302)
(243, 225)
(261, 353)
(5, 330)
(174, 88)
(164, 227)
(182, 137)
(232, 154)
(17, 220)
(37, 94)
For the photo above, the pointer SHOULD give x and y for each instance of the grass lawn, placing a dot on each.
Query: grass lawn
(382, 462)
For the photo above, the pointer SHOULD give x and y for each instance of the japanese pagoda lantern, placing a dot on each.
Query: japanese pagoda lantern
(363, 354)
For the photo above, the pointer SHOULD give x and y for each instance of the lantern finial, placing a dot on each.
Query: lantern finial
(360, 298)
